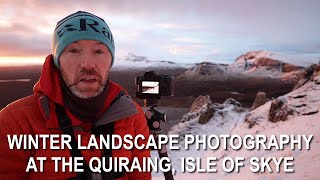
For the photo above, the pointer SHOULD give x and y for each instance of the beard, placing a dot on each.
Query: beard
(85, 92)
(83, 95)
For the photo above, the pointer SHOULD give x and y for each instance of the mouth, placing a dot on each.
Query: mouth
(88, 79)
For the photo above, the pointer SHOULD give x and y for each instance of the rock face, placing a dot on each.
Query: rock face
(199, 102)
(275, 64)
(312, 73)
(266, 64)
(201, 105)
(232, 102)
(265, 61)
(261, 99)
(203, 110)
(290, 68)
(207, 115)
(279, 110)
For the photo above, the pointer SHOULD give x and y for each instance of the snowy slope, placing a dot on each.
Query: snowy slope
(307, 162)
(132, 61)
(303, 101)
(208, 71)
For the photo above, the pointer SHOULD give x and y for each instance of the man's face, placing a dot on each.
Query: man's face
(84, 67)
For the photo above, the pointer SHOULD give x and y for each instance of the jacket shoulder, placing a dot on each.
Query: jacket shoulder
(21, 114)
(28, 101)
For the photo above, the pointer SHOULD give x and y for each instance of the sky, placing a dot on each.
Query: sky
(184, 31)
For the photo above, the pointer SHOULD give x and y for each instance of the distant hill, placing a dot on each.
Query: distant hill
(267, 64)
(253, 64)
(208, 71)
(132, 61)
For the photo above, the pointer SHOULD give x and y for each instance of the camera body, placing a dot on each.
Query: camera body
(153, 86)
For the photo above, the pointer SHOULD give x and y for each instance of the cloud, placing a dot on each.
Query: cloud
(12, 45)
(183, 49)
(177, 27)
(187, 40)
(216, 51)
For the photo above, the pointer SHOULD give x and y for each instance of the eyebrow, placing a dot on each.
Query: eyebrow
(98, 42)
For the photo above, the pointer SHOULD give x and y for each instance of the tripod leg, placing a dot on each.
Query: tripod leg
(163, 153)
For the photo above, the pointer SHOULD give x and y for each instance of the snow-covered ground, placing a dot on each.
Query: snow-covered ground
(230, 121)
(132, 61)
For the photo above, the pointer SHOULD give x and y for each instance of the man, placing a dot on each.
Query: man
(73, 96)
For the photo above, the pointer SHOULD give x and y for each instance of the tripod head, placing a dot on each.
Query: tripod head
(154, 117)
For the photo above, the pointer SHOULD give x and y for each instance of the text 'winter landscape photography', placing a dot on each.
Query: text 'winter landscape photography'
(170, 90)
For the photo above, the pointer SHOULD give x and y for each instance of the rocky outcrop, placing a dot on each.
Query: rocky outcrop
(237, 106)
(207, 114)
(204, 110)
(247, 56)
(265, 61)
(266, 64)
(290, 68)
(201, 105)
(232, 102)
(279, 110)
(312, 73)
(199, 102)
(261, 99)
(275, 64)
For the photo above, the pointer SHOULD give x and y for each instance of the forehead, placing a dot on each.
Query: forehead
(87, 43)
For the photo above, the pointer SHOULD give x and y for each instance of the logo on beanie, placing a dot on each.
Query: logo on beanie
(86, 25)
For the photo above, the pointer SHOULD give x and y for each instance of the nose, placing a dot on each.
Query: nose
(87, 61)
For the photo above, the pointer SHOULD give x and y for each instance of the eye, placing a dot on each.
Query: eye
(98, 51)
(74, 50)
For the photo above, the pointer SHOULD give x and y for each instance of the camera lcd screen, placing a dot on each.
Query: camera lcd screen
(150, 87)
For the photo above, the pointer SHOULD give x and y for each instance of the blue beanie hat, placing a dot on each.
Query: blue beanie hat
(80, 26)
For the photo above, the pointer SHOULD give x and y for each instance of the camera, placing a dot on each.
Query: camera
(153, 86)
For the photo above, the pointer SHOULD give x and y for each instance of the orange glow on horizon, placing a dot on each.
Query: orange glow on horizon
(21, 61)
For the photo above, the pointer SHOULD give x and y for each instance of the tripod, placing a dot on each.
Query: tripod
(154, 119)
